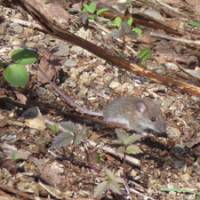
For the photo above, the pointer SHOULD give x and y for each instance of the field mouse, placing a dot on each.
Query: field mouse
(136, 114)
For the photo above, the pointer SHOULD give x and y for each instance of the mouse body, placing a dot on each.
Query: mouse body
(138, 114)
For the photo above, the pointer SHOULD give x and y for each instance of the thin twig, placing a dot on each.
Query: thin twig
(145, 197)
(32, 25)
(127, 191)
(68, 100)
(181, 40)
(129, 159)
(167, 6)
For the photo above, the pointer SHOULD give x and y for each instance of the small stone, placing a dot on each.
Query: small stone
(100, 70)
(80, 51)
(173, 132)
(83, 91)
(127, 87)
(85, 78)
(31, 44)
(19, 16)
(114, 85)
(18, 28)
(171, 66)
(17, 42)
(70, 63)
(133, 173)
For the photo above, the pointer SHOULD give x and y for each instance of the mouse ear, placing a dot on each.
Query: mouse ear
(141, 107)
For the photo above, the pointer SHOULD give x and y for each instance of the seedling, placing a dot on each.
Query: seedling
(54, 128)
(91, 9)
(138, 31)
(117, 22)
(130, 21)
(71, 134)
(144, 55)
(112, 183)
(126, 142)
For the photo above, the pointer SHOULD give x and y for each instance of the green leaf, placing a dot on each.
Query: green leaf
(130, 21)
(194, 24)
(138, 31)
(90, 8)
(101, 11)
(16, 75)
(133, 149)
(132, 139)
(62, 140)
(92, 17)
(117, 22)
(100, 189)
(54, 128)
(80, 135)
(24, 56)
(197, 196)
(127, 139)
(144, 55)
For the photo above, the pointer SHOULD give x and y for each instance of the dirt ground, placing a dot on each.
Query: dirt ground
(37, 161)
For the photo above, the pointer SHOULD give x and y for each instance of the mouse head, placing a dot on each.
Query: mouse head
(151, 116)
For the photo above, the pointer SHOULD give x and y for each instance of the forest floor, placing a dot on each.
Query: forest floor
(40, 161)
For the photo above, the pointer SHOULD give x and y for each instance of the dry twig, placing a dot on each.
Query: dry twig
(181, 40)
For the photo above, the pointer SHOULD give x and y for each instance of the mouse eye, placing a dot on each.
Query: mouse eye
(153, 119)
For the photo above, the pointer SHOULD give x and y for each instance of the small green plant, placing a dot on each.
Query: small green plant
(194, 24)
(91, 9)
(144, 55)
(54, 128)
(127, 141)
(101, 11)
(138, 31)
(70, 134)
(130, 21)
(16, 73)
(117, 22)
(112, 182)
